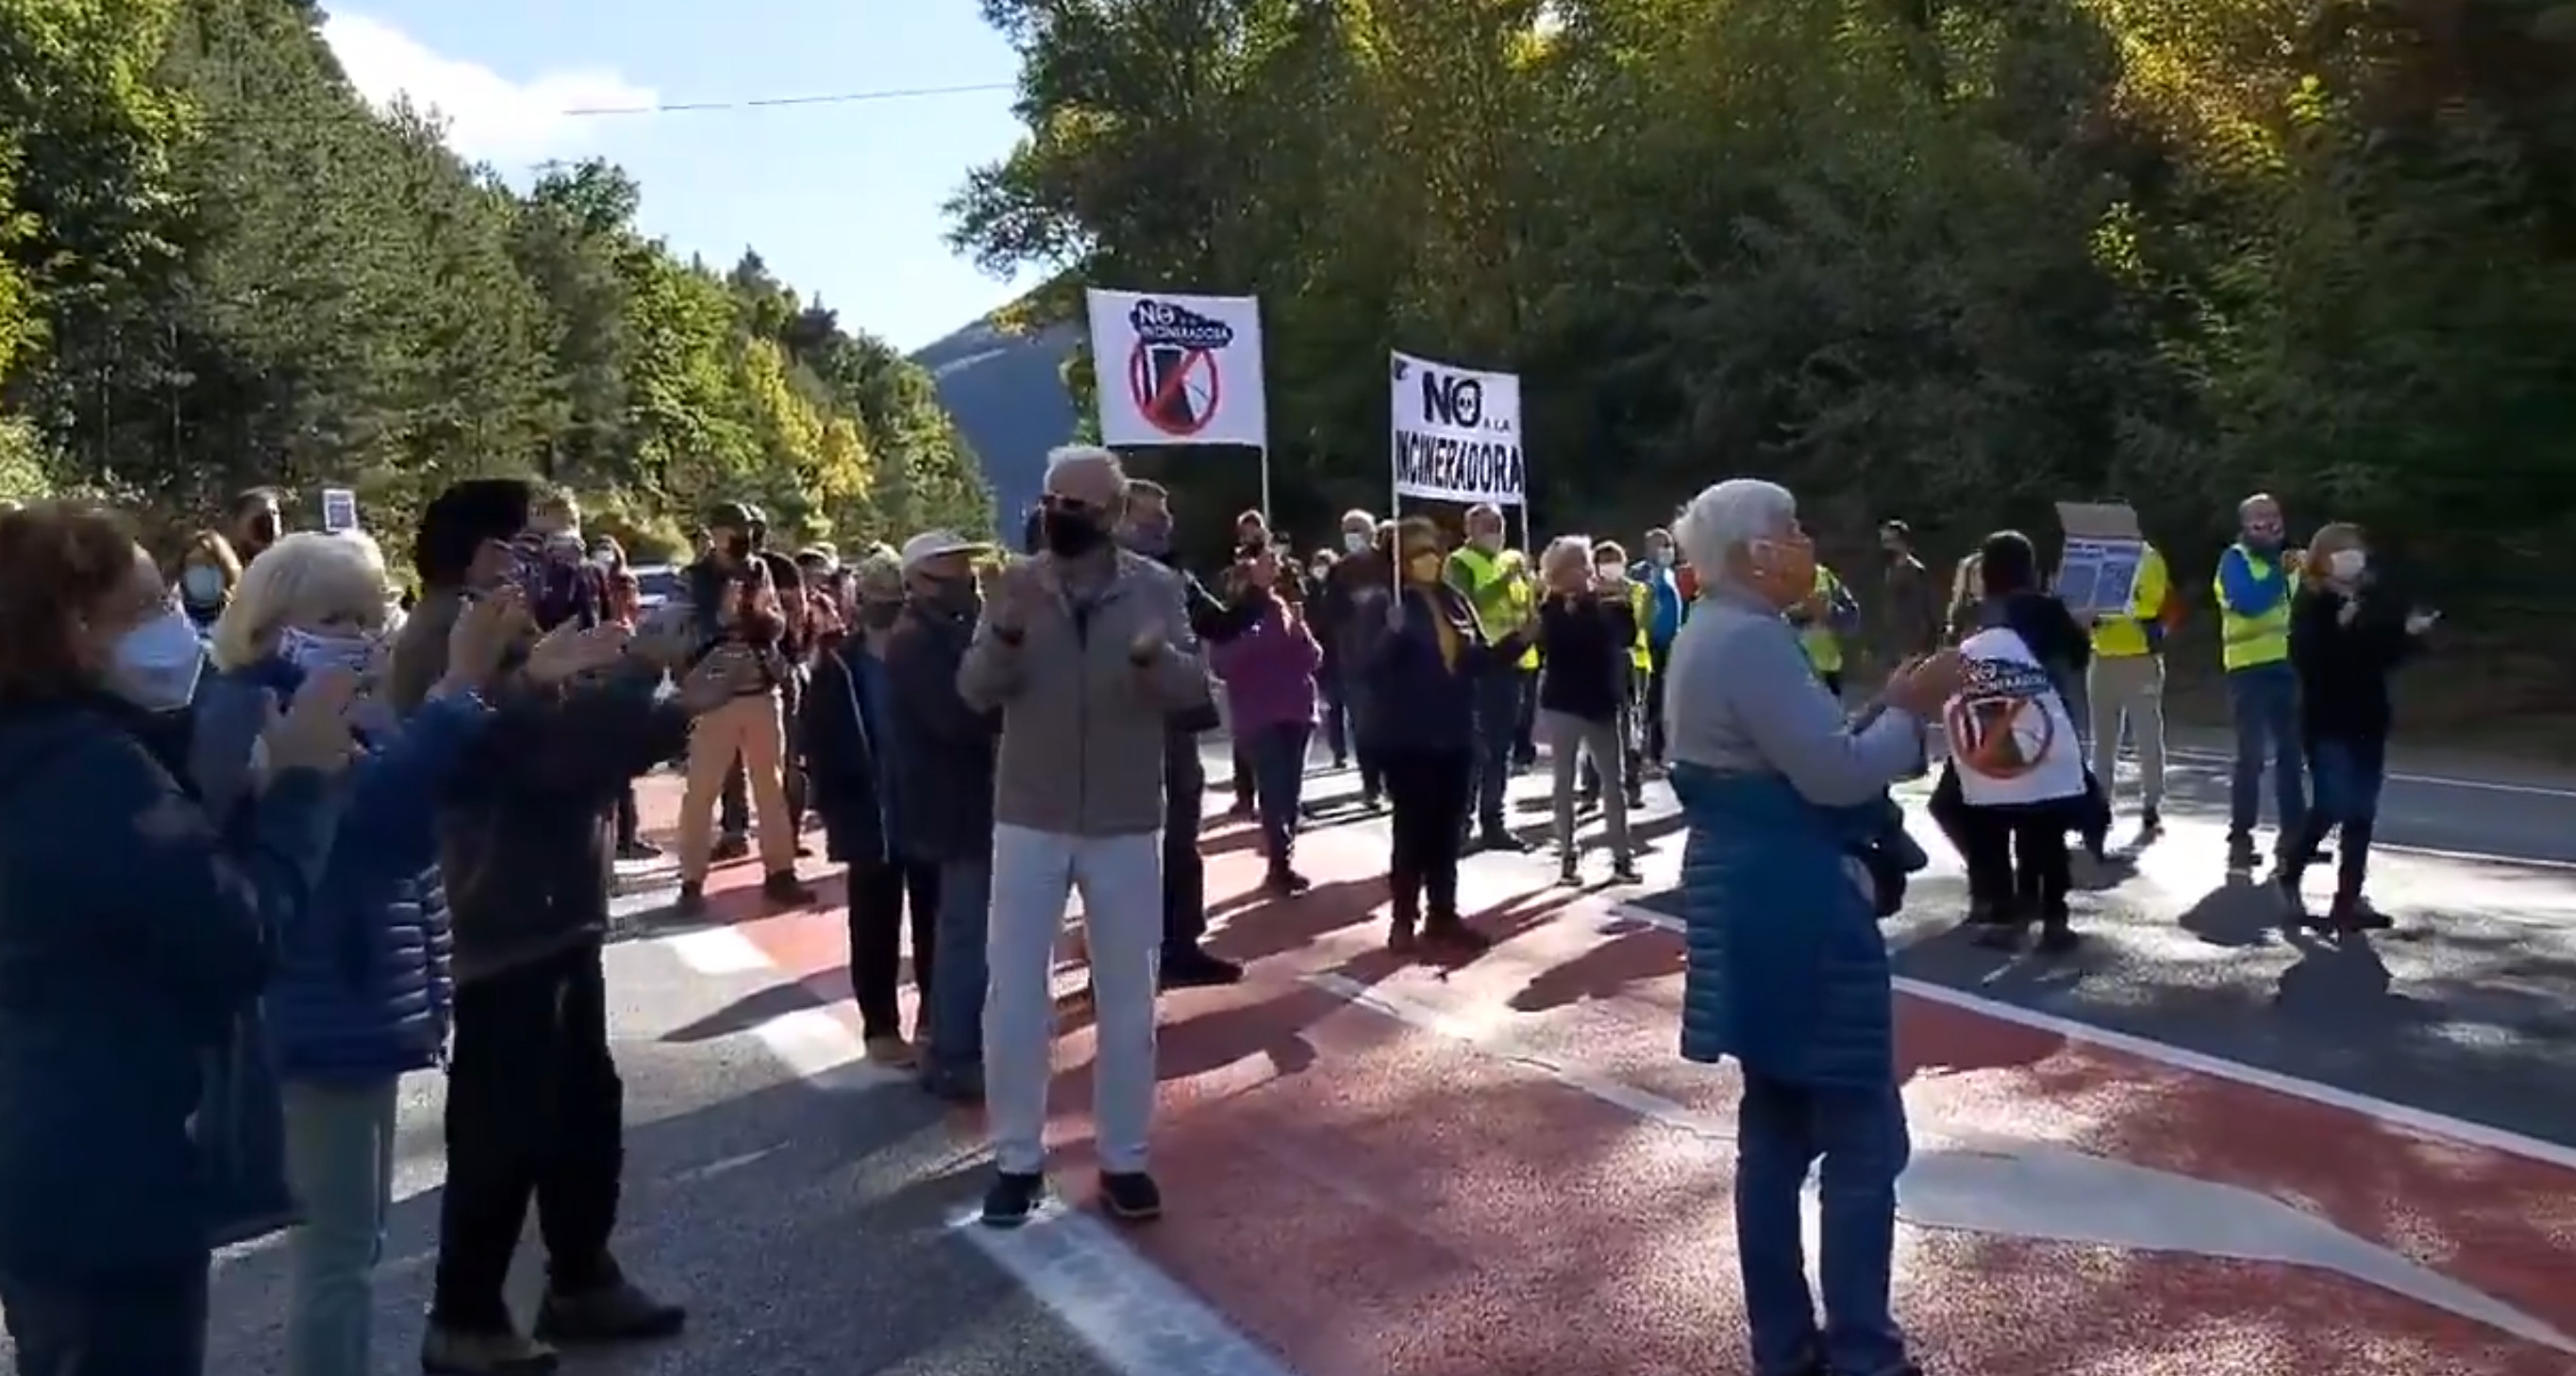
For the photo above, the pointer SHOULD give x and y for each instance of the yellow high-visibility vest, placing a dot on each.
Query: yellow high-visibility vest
(1498, 591)
(1641, 604)
(1824, 648)
(2246, 642)
(2125, 637)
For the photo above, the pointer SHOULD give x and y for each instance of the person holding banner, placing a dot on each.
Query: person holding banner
(1495, 585)
(2127, 685)
(1426, 673)
(2254, 595)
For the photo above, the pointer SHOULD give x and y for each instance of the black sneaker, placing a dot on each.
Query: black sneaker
(2055, 939)
(784, 887)
(2151, 822)
(730, 847)
(2240, 853)
(2353, 913)
(1451, 933)
(692, 901)
(639, 850)
(1130, 1196)
(1568, 874)
(1012, 1197)
(1284, 882)
(1498, 841)
(1625, 872)
(1192, 968)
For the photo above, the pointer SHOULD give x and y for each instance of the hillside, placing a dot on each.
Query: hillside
(1006, 393)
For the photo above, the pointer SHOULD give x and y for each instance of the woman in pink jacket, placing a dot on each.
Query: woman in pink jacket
(1269, 675)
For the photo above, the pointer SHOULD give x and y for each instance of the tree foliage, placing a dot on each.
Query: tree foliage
(220, 268)
(1949, 259)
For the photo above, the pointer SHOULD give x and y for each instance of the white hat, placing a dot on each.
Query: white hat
(934, 544)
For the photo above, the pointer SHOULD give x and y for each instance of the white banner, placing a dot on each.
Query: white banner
(1457, 433)
(1178, 369)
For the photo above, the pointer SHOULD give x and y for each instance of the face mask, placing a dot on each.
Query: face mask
(1355, 542)
(1070, 534)
(1423, 568)
(1787, 570)
(877, 616)
(1610, 571)
(2346, 564)
(1490, 542)
(311, 650)
(1151, 537)
(1663, 558)
(157, 663)
(202, 585)
(737, 547)
(2263, 543)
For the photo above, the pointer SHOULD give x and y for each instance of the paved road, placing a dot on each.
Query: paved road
(1383, 1170)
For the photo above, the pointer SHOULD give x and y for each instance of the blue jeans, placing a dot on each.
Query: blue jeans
(1498, 720)
(2264, 700)
(2348, 776)
(1781, 1129)
(957, 983)
(145, 1324)
(340, 1159)
(1278, 785)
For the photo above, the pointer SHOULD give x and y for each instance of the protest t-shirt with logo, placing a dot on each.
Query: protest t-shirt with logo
(2010, 735)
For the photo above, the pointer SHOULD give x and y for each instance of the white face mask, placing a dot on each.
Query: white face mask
(311, 650)
(1663, 558)
(157, 663)
(2345, 565)
(1354, 541)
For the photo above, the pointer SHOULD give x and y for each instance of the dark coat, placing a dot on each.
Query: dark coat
(139, 1120)
(1414, 700)
(944, 774)
(846, 757)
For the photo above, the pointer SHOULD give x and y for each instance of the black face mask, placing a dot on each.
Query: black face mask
(737, 547)
(877, 616)
(1070, 534)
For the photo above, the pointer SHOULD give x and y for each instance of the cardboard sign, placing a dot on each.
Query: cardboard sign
(2099, 574)
(339, 509)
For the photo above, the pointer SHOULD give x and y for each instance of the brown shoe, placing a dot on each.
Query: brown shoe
(892, 1051)
(446, 1351)
(622, 1312)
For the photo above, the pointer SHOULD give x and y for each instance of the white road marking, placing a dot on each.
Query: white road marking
(2201, 756)
(2423, 1121)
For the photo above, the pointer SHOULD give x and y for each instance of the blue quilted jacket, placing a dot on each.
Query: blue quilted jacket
(361, 991)
(1787, 970)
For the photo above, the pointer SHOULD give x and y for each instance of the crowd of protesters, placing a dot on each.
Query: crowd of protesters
(275, 836)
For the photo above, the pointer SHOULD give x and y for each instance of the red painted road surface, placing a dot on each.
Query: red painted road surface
(1502, 1168)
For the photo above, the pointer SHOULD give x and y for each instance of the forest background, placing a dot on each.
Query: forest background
(220, 268)
(1945, 260)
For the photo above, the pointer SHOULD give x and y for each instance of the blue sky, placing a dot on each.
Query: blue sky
(841, 199)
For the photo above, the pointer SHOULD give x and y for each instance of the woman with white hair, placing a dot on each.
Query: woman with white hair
(1586, 624)
(359, 994)
(1794, 853)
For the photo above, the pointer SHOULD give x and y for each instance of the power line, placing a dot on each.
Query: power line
(686, 107)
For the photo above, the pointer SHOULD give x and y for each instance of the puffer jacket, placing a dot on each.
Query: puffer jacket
(361, 991)
(1787, 970)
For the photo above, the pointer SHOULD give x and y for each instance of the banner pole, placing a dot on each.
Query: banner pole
(1268, 516)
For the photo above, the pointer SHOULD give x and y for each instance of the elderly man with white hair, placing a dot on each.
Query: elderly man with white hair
(1794, 852)
(1085, 649)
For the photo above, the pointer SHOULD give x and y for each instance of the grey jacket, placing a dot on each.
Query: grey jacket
(1083, 724)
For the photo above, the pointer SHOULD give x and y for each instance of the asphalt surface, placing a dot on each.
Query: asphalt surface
(807, 1226)
(809, 1222)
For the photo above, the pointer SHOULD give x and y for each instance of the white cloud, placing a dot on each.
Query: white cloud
(489, 116)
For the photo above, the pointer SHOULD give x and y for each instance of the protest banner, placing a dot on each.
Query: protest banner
(2098, 573)
(339, 509)
(1177, 369)
(1456, 433)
